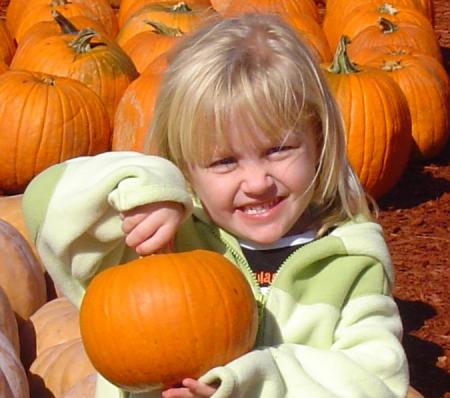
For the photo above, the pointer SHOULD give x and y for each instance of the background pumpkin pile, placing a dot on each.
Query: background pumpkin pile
(81, 77)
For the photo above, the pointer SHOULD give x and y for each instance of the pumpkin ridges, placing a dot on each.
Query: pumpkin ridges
(186, 20)
(8, 323)
(21, 276)
(134, 111)
(31, 138)
(58, 368)
(85, 56)
(401, 34)
(41, 10)
(13, 379)
(169, 336)
(129, 7)
(146, 46)
(381, 164)
(368, 15)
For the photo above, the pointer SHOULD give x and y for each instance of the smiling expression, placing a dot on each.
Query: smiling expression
(258, 191)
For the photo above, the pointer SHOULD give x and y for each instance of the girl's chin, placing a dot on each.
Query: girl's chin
(260, 237)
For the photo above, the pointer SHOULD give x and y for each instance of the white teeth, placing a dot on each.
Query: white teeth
(261, 208)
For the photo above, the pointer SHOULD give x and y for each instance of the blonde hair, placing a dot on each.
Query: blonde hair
(253, 67)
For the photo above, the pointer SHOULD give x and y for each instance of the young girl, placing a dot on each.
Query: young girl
(245, 117)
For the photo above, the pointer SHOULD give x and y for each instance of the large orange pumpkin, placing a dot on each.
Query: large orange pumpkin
(161, 318)
(21, 275)
(368, 15)
(377, 121)
(82, 55)
(426, 87)
(144, 47)
(32, 12)
(179, 15)
(406, 34)
(59, 119)
(135, 109)
(129, 7)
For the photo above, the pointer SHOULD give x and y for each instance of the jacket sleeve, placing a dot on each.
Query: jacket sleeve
(72, 211)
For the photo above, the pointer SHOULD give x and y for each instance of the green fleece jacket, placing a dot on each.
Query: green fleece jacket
(329, 326)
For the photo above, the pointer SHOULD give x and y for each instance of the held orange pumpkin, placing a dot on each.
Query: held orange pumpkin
(156, 320)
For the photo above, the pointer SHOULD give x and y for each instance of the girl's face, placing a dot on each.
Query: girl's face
(258, 192)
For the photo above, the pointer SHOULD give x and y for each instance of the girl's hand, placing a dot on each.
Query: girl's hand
(191, 389)
(151, 227)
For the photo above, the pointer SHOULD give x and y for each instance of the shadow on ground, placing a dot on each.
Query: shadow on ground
(426, 377)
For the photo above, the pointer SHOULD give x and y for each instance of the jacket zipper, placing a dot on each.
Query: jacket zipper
(260, 298)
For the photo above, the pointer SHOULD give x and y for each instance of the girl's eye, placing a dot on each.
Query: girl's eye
(280, 150)
(223, 164)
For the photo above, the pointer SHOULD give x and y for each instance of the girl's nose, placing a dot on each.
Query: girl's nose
(256, 179)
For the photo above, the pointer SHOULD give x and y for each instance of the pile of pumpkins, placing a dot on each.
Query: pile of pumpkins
(85, 75)
(80, 77)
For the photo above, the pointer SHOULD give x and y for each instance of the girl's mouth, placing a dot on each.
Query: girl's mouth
(260, 208)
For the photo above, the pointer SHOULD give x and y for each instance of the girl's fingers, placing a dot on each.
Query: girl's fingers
(198, 388)
(157, 241)
(130, 220)
(177, 393)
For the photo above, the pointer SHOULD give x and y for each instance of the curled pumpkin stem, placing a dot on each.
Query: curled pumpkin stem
(341, 62)
(387, 26)
(163, 29)
(64, 24)
(82, 43)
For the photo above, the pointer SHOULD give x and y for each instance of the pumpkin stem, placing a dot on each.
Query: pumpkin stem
(341, 62)
(390, 66)
(180, 7)
(163, 29)
(64, 24)
(56, 3)
(48, 80)
(82, 43)
(387, 26)
(387, 8)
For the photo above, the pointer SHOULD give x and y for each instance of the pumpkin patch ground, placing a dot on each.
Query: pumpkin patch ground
(415, 216)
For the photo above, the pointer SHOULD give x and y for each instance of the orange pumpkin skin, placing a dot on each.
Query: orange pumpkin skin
(36, 11)
(182, 16)
(367, 15)
(135, 109)
(129, 7)
(378, 125)
(313, 35)
(281, 7)
(7, 45)
(388, 33)
(85, 56)
(156, 320)
(426, 87)
(60, 118)
(143, 48)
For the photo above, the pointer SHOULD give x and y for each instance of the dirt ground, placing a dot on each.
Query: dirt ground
(416, 219)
